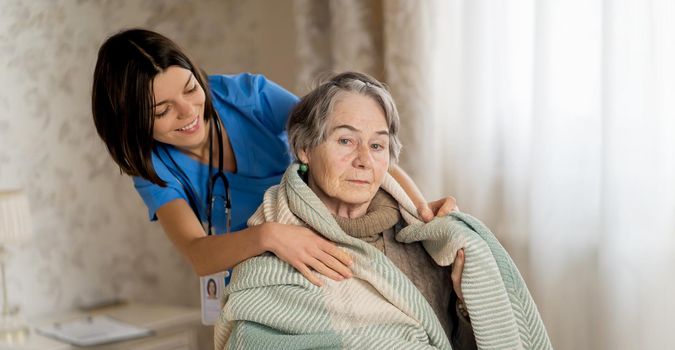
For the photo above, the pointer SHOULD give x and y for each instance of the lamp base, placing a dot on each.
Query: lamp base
(13, 330)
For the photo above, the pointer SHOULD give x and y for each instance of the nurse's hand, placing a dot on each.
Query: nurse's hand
(438, 208)
(307, 252)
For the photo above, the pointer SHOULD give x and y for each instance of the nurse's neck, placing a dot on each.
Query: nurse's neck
(200, 152)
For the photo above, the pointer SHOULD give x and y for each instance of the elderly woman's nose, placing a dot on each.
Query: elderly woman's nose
(363, 157)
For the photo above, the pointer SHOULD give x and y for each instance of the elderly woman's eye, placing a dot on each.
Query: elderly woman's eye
(343, 141)
(377, 147)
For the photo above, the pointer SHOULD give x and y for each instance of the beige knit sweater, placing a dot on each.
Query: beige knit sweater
(377, 227)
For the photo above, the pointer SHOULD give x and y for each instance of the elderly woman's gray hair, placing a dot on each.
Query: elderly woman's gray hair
(308, 121)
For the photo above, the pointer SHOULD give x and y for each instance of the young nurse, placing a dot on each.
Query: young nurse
(203, 150)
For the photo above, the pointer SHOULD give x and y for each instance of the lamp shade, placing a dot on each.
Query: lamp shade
(15, 225)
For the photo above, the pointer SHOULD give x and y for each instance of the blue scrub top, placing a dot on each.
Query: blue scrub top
(254, 112)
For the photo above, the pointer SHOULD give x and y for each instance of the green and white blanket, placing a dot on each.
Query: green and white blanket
(269, 305)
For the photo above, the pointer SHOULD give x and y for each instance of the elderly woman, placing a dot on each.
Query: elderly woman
(345, 136)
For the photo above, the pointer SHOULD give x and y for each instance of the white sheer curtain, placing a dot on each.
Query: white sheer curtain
(554, 121)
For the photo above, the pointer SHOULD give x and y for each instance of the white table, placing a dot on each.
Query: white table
(175, 328)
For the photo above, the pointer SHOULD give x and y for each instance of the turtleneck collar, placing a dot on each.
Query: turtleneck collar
(382, 214)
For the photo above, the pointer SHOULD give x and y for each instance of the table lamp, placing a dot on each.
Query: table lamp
(15, 228)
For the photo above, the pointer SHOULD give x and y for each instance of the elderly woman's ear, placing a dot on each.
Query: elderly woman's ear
(303, 157)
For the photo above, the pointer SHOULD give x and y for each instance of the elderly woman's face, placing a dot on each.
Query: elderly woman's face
(349, 166)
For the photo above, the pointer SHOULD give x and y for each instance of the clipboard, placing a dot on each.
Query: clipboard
(93, 330)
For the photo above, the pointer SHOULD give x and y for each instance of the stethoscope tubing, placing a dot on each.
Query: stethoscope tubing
(184, 180)
(218, 175)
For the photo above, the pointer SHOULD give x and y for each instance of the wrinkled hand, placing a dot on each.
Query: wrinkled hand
(438, 208)
(456, 274)
(306, 251)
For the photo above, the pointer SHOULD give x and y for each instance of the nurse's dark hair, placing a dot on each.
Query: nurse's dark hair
(122, 99)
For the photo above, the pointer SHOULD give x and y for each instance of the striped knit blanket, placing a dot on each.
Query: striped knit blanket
(269, 305)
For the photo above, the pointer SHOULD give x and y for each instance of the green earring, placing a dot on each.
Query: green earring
(303, 168)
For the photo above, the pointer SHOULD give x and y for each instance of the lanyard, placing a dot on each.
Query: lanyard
(219, 175)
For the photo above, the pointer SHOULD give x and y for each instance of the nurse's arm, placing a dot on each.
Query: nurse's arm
(298, 246)
(426, 210)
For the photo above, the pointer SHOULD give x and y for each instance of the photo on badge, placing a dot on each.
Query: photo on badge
(211, 288)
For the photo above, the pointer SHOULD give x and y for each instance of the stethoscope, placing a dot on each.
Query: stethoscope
(213, 179)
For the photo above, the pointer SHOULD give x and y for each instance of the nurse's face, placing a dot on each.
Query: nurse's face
(179, 109)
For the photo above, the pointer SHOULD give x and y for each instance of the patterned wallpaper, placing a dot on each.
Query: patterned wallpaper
(91, 237)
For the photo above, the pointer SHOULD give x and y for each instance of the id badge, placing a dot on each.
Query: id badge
(212, 287)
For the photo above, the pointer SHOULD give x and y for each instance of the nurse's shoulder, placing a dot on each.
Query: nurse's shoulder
(256, 96)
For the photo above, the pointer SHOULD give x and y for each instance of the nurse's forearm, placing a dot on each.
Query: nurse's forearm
(206, 254)
(299, 246)
(216, 253)
(408, 185)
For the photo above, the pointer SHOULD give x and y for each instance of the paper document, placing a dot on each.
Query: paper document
(93, 330)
